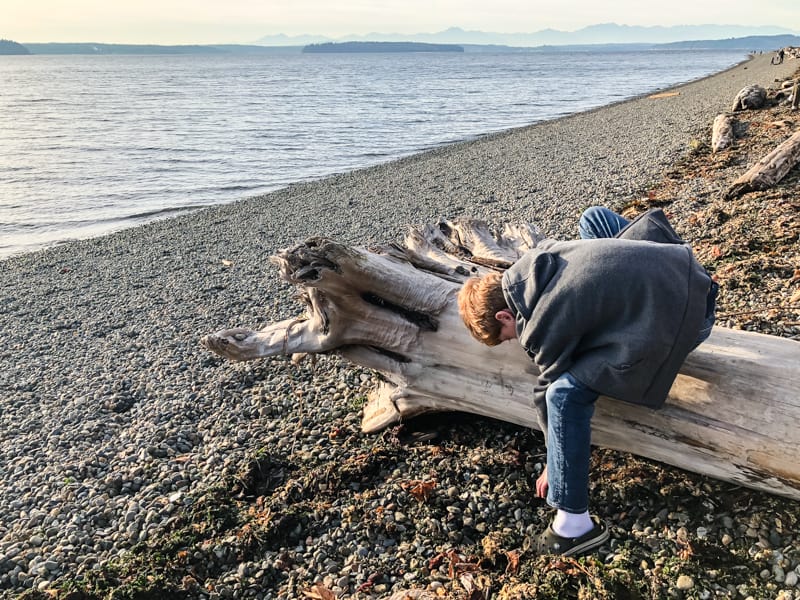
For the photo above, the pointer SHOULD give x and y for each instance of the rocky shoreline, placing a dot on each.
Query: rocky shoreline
(134, 464)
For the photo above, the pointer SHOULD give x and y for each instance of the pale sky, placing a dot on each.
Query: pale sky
(244, 21)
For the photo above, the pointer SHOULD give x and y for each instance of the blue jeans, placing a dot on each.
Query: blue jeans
(570, 404)
(599, 222)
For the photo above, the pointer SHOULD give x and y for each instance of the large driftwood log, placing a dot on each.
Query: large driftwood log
(722, 134)
(769, 170)
(751, 97)
(731, 414)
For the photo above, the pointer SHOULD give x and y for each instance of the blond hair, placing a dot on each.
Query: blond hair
(479, 301)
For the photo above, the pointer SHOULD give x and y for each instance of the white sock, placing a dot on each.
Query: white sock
(571, 525)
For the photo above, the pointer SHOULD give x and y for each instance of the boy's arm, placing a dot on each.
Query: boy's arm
(540, 404)
(542, 484)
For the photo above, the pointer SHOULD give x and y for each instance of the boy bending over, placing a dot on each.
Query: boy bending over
(613, 314)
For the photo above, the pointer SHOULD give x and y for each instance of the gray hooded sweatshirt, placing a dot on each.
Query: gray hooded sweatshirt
(619, 314)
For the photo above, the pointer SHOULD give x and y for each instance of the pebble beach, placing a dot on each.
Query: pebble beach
(132, 460)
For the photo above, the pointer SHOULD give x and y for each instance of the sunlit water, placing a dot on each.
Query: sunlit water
(91, 144)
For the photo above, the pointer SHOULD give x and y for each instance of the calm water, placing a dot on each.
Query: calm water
(91, 144)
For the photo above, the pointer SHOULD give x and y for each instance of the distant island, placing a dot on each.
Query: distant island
(340, 47)
(9, 47)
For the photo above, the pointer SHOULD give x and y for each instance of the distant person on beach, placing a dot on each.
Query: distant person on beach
(615, 314)
(778, 59)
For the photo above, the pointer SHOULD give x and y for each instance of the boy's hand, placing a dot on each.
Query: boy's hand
(541, 484)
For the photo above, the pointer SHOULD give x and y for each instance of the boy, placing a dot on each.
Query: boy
(613, 314)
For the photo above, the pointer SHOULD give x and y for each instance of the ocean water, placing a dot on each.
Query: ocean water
(93, 144)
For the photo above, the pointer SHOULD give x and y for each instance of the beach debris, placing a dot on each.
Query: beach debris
(370, 582)
(751, 97)
(769, 170)
(393, 309)
(722, 134)
(319, 592)
(663, 95)
(513, 562)
(783, 94)
(795, 100)
(476, 586)
(421, 490)
(780, 124)
(415, 594)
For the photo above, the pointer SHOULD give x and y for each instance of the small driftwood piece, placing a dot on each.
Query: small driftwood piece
(769, 170)
(795, 101)
(731, 414)
(722, 134)
(751, 97)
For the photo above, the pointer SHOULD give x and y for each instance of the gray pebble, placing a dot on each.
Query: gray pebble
(779, 575)
(684, 582)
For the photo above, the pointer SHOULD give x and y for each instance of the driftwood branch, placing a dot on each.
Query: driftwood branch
(731, 414)
(769, 170)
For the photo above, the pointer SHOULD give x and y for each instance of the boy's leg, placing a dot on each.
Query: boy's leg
(570, 406)
(600, 222)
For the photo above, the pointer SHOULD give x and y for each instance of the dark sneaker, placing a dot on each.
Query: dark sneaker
(549, 542)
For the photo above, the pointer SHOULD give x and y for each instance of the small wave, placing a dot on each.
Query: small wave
(238, 188)
(68, 224)
(12, 228)
(161, 212)
(229, 188)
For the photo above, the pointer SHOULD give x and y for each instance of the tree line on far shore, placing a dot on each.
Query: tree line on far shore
(11, 47)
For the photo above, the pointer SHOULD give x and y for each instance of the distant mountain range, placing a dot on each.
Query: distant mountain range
(607, 33)
(378, 47)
